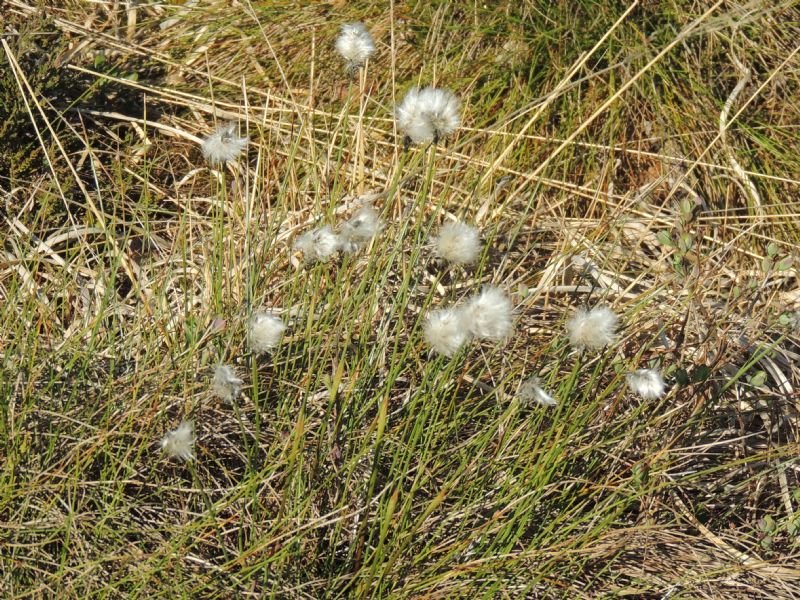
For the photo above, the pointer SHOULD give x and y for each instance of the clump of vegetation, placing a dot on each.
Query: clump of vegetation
(377, 432)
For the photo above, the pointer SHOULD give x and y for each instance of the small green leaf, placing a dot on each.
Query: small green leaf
(766, 264)
(767, 524)
(686, 207)
(784, 264)
(772, 249)
(682, 377)
(700, 373)
(685, 242)
(784, 319)
(758, 379)
(665, 238)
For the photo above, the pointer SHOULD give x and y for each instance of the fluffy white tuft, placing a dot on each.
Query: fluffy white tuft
(488, 315)
(458, 243)
(318, 245)
(264, 332)
(445, 332)
(429, 114)
(359, 229)
(355, 44)
(226, 385)
(647, 383)
(592, 329)
(223, 145)
(531, 391)
(179, 443)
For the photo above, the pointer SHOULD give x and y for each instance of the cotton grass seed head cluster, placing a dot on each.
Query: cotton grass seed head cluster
(532, 391)
(592, 329)
(458, 243)
(488, 315)
(428, 114)
(264, 332)
(647, 383)
(225, 384)
(444, 331)
(318, 245)
(355, 44)
(223, 145)
(179, 443)
(321, 244)
(359, 229)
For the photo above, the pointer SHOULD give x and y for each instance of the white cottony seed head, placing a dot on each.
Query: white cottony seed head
(226, 385)
(264, 332)
(359, 229)
(488, 315)
(444, 331)
(319, 244)
(531, 391)
(592, 329)
(458, 243)
(355, 44)
(223, 145)
(429, 114)
(179, 443)
(647, 383)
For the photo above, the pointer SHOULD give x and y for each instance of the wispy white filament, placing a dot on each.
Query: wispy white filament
(531, 391)
(647, 383)
(226, 385)
(359, 229)
(223, 145)
(318, 245)
(179, 443)
(355, 44)
(429, 114)
(264, 332)
(489, 314)
(444, 331)
(592, 329)
(458, 243)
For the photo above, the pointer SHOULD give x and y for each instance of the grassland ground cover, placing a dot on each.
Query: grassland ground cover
(640, 156)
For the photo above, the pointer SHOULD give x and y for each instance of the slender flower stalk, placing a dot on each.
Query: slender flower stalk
(179, 443)
(428, 114)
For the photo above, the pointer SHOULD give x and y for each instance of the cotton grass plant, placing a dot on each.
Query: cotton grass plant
(355, 464)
